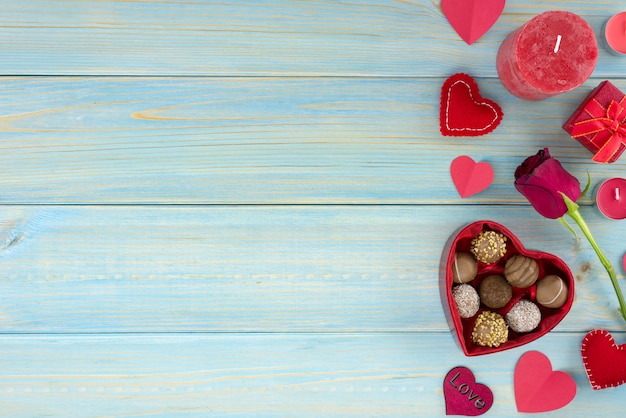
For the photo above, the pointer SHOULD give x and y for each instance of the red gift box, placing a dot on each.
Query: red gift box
(463, 327)
(599, 123)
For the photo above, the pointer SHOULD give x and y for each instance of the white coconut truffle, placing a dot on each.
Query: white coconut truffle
(524, 316)
(467, 300)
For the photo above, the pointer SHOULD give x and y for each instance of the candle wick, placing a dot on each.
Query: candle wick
(616, 193)
(558, 43)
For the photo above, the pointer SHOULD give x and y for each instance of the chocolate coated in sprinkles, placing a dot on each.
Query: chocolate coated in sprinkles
(488, 246)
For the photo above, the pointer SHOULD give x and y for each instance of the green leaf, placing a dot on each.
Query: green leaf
(588, 186)
(571, 205)
(569, 227)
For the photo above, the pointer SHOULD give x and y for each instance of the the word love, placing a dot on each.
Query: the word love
(463, 395)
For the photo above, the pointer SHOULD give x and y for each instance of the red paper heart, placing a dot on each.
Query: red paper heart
(471, 19)
(463, 327)
(538, 388)
(463, 395)
(605, 362)
(463, 111)
(470, 177)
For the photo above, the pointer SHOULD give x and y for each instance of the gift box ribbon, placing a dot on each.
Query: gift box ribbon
(608, 125)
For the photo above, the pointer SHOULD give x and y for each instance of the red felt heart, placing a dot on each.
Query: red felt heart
(538, 388)
(470, 177)
(605, 362)
(471, 19)
(463, 111)
(463, 395)
(463, 327)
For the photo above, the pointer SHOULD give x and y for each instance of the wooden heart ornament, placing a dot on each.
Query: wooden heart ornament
(604, 361)
(463, 111)
(471, 19)
(548, 265)
(463, 395)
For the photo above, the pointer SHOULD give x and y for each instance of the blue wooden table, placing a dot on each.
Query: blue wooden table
(239, 208)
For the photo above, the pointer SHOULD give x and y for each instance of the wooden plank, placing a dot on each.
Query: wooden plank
(109, 269)
(303, 375)
(249, 37)
(240, 140)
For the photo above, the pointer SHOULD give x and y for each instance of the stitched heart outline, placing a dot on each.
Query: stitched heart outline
(463, 111)
(604, 360)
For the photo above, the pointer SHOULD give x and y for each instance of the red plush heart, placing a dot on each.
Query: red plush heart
(463, 327)
(463, 395)
(463, 111)
(605, 362)
(538, 388)
(470, 177)
(471, 19)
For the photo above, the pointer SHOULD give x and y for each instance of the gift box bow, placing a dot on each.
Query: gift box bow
(608, 125)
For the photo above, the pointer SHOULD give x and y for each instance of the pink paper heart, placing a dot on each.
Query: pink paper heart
(470, 177)
(463, 395)
(538, 388)
(471, 19)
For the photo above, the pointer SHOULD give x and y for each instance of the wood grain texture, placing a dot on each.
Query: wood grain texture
(263, 268)
(291, 375)
(268, 141)
(238, 208)
(267, 38)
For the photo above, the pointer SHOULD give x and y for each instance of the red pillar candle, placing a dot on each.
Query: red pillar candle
(611, 198)
(615, 34)
(552, 53)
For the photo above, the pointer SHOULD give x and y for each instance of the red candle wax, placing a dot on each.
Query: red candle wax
(552, 53)
(615, 33)
(611, 198)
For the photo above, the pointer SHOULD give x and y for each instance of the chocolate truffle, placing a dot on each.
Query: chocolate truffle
(521, 271)
(488, 246)
(466, 299)
(524, 316)
(552, 291)
(495, 292)
(490, 330)
(464, 268)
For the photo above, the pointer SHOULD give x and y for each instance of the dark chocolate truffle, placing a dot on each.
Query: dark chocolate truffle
(552, 291)
(489, 246)
(490, 330)
(521, 271)
(524, 316)
(495, 292)
(466, 299)
(464, 268)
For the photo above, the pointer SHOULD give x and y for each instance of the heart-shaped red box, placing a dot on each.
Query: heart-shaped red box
(548, 264)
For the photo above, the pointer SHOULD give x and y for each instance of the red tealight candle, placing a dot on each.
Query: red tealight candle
(615, 33)
(552, 53)
(611, 198)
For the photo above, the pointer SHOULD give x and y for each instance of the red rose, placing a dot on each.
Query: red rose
(553, 192)
(541, 179)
